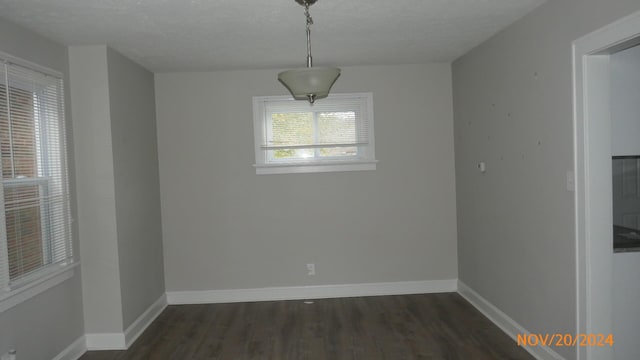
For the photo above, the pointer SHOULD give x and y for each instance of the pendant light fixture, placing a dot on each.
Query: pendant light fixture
(310, 83)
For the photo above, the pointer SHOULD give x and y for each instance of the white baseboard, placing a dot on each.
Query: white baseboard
(311, 292)
(143, 321)
(73, 351)
(122, 341)
(106, 341)
(504, 322)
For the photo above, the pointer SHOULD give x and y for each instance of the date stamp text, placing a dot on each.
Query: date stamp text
(557, 339)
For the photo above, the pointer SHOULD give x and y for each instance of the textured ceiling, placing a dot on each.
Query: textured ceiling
(189, 35)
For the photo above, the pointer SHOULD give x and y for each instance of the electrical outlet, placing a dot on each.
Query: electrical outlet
(311, 269)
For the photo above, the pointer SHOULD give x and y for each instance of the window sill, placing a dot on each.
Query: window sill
(9, 299)
(314, 168)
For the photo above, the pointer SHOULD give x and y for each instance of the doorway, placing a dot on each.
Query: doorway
(593, 169)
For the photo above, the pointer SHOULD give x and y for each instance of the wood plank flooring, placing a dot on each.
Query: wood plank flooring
(433, 326)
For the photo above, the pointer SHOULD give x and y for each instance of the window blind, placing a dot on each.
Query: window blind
(299, 125)
(35, 230)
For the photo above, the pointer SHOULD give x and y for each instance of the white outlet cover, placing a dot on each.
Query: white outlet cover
(311, 269)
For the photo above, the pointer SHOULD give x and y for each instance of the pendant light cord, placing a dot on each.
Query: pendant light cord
(309, 23)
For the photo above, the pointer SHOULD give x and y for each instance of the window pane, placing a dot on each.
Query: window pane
(22, 202)
(337, 127)
(17, 138)
(292, 154)
(24, 229)
(293, 129)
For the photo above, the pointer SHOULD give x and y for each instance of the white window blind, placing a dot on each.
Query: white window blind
(333, 134)
(35, 229)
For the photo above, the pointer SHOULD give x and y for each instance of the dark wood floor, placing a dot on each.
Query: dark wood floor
(434, 326)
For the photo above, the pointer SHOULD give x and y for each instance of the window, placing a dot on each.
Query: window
(35, 229)
(333, 134)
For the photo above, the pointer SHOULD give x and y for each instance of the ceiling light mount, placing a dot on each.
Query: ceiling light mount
(305, 2)
(309, 83)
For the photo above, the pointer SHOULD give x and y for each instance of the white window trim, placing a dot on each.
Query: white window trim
(300, 166)
(35, 284)
(31, 65)
(50, 276)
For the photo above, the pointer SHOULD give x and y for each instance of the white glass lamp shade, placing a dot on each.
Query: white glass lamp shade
(306, 82)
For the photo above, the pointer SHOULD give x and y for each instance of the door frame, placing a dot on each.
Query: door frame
(592, 164)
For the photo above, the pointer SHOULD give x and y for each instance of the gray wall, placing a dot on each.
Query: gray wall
(118, 192)
(225, 227)
(513, 109)
(137, 188)
(61, 306)
(96, 189)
